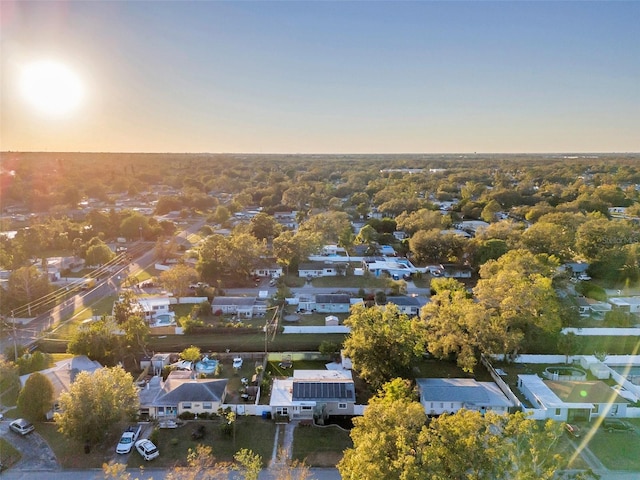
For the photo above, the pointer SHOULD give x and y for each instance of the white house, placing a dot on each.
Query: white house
(448, 395)
(382, 265)
(626, 304)
(314, 395)
(568, 401)
(317, 269)
(151, 307)
(272, 271)
(243, 307)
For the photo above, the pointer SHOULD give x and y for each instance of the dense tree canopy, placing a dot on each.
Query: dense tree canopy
(382, 342)
(95, 402)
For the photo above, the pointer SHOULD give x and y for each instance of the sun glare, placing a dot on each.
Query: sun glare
(51, 87)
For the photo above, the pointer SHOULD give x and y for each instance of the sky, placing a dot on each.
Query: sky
(327, 77)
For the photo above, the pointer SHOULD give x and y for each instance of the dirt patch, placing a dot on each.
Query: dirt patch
(291, 318)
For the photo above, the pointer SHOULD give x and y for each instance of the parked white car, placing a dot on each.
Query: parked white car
(237, 363)
(147, 449)
(128, 438)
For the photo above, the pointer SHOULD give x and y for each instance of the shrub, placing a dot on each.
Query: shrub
(590, 290)
(187, 416)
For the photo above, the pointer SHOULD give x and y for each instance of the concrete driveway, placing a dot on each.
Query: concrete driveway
(36, 453)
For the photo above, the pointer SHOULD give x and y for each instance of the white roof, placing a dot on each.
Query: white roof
(545, 396)
(322, 375)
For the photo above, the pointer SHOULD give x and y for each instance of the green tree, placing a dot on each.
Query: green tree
(264, 226)
(190, 354)
(36, 397)
(99, 254)
(134, 226)
(423, 219)
(385, 438)
(201, 464)
(569, 344)
(327, 225)
(490, 211)
(434, 246)
(9, 381)
(464, 446)
(25, 285)
(382, 329)
(517, 289)
(456, 326)
(98, 341)
(177, 279)
(94, 402)
(136, 334)
(249, 464)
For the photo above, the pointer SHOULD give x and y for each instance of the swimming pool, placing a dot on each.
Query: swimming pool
(207, 366)
(163, 320)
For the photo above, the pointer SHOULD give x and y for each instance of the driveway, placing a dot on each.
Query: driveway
(36, 453)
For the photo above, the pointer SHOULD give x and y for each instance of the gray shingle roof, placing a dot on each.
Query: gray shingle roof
(238, 301)
(333, 298)
(404, 301)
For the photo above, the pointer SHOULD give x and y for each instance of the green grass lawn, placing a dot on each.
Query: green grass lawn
(252, 433)
(238, 342)
(320, 446)
(617, 450)
(8, 454)
(70, 453)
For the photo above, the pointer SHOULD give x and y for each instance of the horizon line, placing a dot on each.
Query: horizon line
(329, 153)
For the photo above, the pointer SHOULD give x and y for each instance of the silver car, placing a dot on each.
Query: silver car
(21, 426)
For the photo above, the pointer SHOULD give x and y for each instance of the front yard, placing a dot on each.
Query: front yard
(252, 433)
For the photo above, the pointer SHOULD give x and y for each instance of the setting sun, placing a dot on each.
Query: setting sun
(51, 87)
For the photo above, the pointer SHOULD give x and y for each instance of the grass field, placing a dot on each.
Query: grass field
(252, 433)
(320, 446)
(617, 450)
(8, 454)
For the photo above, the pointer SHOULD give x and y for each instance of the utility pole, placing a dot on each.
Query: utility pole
(15, 344)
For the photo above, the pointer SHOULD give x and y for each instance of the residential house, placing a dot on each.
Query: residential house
(317, 269)
(271, 271)
(448, 395)
(287, 219)
(407, 305)
(243, 307)
(181, 392)
(333, 303)
(314, 395)
(568, 401)
(626, 304)
(63, 374)
(151, 307)
(588, 307)
(452, 270)
(472, 226)
(380, 266)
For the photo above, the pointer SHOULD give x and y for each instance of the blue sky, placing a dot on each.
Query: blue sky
(325, 77)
